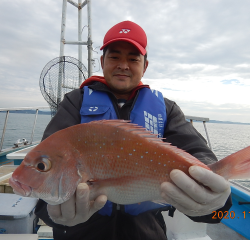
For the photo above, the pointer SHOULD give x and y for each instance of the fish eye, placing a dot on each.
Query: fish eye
(43, 165)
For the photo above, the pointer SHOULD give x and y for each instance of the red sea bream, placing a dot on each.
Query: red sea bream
(116, 158)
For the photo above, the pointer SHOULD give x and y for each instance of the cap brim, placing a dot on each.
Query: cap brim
(136, 44)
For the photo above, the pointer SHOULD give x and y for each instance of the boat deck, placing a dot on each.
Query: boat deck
(222, 232)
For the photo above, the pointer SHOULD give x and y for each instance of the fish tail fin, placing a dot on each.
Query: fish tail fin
(234, 166)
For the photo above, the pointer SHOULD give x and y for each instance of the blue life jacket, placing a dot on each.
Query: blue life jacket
(149, 111)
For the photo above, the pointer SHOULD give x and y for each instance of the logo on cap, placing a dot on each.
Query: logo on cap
(125, 31)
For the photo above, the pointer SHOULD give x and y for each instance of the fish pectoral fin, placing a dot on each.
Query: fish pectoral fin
(91, 181)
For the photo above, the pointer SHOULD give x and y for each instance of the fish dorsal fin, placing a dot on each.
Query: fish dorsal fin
(152, 138)
(130, 127)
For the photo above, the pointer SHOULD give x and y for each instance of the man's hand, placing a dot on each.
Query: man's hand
(77, 209)
(193, 199)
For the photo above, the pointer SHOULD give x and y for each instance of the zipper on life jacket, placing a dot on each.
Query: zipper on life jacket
(115, 105)
(135, 98)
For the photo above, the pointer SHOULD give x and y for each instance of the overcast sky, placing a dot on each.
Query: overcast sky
(198, 51)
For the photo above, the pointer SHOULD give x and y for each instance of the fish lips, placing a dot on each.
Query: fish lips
(20, 188)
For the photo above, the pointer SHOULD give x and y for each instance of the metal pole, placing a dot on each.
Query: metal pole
(80, 39)
(73, 3)
(60, 77)
(75, 43)
(209, 143)
(34, 125)
(63, 25)
(89, 39)
(4, 128)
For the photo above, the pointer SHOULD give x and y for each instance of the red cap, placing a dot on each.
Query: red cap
(127, 31)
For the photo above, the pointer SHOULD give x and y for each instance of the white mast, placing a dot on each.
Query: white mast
(78, 5)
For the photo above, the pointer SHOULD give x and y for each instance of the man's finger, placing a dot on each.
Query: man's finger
(68, 208)
(97, 204)
(54, 211)
(191, 188)
(210, 179)
(100, 202)
(82, 199)
(185, 204)
(176, 197)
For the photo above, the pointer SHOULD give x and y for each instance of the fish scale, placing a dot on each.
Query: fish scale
(116, 158)
(131, 162)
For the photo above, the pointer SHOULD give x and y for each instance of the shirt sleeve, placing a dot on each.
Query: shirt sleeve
(182, 134)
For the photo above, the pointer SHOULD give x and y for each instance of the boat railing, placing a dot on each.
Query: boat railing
(8, 110)
(204, 120)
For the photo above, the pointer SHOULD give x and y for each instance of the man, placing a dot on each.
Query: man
(120, 94)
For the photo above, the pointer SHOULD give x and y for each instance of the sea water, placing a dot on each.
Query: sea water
(225, 138)
(20, 125)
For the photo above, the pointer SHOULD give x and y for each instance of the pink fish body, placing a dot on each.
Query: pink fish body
(116, 158)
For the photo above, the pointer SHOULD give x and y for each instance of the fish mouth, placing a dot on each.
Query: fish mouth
(20, 188)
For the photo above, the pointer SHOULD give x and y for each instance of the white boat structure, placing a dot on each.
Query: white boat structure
(234, 225)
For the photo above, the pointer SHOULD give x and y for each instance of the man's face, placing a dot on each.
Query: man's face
(123, 67)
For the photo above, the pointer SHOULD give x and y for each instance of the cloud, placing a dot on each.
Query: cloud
(198, 50)
(212, 99)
